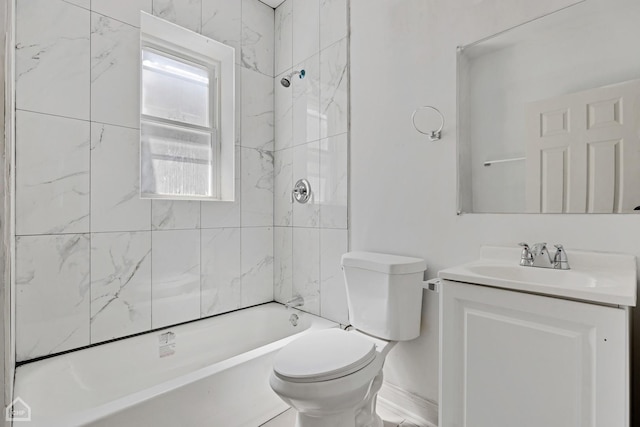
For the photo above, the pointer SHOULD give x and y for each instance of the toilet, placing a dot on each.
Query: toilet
(332, 377)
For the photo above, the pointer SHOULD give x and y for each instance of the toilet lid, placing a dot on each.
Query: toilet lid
(324, 355)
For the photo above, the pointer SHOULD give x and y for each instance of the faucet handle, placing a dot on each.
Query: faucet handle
(526, 258)
(560, 259)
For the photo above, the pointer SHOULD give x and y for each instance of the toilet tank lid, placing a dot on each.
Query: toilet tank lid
(384, 263)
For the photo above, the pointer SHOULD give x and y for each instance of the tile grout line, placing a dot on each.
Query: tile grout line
(44, 113)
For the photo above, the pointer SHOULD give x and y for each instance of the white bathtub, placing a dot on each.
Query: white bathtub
(218, 375)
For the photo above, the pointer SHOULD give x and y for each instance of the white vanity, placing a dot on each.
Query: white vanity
(529, 347)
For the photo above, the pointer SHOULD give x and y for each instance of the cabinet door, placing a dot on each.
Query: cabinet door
(511, 359)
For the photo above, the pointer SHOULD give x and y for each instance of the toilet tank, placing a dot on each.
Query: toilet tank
(384, 294)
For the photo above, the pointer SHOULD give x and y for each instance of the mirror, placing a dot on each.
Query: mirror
(549, 114)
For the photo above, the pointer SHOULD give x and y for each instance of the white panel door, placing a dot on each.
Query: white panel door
(583, 151)
(512, 359)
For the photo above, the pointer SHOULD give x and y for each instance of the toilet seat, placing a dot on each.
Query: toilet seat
(323, 356)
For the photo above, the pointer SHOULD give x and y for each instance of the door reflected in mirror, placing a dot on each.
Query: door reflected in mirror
(549, 114)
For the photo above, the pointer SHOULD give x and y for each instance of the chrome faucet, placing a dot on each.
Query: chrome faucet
(538, 256)
(296, 301)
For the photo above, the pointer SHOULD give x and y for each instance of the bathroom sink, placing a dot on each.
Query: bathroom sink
(597, 277)
(542, 276)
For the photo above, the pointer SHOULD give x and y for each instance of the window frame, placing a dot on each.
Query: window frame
(179, 44)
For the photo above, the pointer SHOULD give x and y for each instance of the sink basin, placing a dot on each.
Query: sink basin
(543, 276)
(596, 277)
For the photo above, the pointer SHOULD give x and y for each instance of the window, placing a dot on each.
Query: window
(186, 114)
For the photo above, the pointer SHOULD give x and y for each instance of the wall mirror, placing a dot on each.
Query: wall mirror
(549, 114)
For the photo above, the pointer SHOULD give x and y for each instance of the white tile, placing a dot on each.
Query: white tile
(126, 11)
(221, 285)
(306, 267)
(257, 110)
(283, 113)
(306, 164)
(115, 197)
(286, 419)
(52, 174)
(257, 265)
(238, 104)
(175, 214)
(283, 37)
(52, 294)
(257, 188)
(306, 101)
(334, 90)
(333, 181)
(283, 185)
(52, 58)
(306, 29)
(390, 417)
(176, 277)
(115, 72)
(333, 302)
(333, 21)
(120, 284)
(216, 214)
(222, 21)
(186, 13)
(257, 36)
(82, 3)
(282, 263)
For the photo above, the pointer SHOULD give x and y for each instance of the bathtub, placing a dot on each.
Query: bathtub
(213, 372)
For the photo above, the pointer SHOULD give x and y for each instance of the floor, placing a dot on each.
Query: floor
(390, 417)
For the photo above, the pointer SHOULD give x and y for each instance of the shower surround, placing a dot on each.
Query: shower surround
(94, 262)
(312, 142)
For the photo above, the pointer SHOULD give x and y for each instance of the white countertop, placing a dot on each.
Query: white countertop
(605, 278)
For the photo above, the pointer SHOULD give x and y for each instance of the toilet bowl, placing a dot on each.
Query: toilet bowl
(332, 377)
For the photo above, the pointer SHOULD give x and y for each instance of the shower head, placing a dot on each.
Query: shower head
(286, 80)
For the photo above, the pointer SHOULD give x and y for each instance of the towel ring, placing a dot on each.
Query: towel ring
(434, 135)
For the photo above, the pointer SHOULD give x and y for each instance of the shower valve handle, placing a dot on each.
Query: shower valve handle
(301, 192)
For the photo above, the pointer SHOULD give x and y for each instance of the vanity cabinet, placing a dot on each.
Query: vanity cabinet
(514, 359)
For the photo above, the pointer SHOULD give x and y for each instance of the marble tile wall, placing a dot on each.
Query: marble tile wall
(94, 261)
(312, 142)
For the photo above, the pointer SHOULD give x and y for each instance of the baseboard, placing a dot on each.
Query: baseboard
(417, 410)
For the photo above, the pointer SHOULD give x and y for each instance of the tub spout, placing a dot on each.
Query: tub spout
(297, 301)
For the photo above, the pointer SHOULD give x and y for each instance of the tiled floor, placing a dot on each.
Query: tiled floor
(390, 418)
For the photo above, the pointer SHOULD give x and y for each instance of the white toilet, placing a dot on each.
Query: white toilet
(332, 377)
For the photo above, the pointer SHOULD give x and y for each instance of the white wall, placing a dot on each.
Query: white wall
(311, 142)
(403, 187)
(93, 260)
(6, 348)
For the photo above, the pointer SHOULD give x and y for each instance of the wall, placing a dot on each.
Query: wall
(403, 187)
(6, 360)
(312, 142)
(94, 261)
